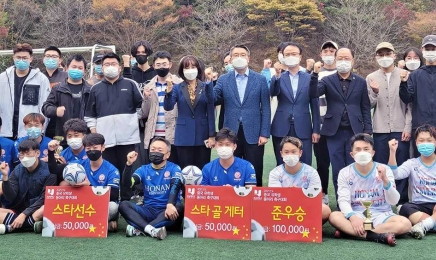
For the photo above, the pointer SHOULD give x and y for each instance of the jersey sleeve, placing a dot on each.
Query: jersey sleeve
(314, 180)
(250, 175)
(113, 177)
(403, 171)
(206, 172)
(274, 178)
(344, 194)
(391, 194)
(140, 173)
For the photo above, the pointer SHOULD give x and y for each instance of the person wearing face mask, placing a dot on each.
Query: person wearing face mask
(391, 118)
(348, 111)
(113, 109)
(24, 90)
(163, 183)
(420, 172)
(195, 125)
(98, 70)
(69, 98)
(418, 87)
(34, 123)
(295, 111)
(99, 172)
(367, 181)
(413, 59)
(141, 71)
(245, 95)
(25, 188)
(75, 130)
(293, 173)
(320, 149)
(160, 123)
(227, 169)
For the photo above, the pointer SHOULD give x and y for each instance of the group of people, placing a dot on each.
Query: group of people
(133, 126)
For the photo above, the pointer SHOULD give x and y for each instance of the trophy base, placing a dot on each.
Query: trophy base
(368, 225)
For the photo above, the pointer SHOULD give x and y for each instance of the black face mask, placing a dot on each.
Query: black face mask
(141, 59)
(156, 158)
(162, 72)
(93, 155)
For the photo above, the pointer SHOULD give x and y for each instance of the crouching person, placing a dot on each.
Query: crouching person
(25, 189)
(99, 172)
(162, 182)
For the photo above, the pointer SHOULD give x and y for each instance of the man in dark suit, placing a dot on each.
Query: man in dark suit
(245, 95)
(348, 111)
(293, 117)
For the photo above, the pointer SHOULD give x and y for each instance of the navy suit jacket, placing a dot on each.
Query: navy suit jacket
(255, 110)
(295, 109)
(195, 123)
(356, 102)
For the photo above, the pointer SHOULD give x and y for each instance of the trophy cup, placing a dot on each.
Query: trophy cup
(367, 224)
(60, 148)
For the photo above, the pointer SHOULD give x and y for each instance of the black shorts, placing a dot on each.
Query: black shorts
(410, 208)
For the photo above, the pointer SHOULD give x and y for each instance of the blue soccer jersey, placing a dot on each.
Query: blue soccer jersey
(43, 146)
(157, 183)
(69, 156)
(106, 175)
(7, 149)
(240, 173)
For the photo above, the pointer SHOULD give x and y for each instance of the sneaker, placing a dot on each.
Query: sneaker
(133, 232)
(159, 233)
(325, 199)
(37, 227)
(387, 238)
(418, 231)
(2, 229)
(112, 226)
(337, 234)
(398, 209)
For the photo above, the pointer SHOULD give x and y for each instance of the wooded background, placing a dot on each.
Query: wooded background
(208, 28)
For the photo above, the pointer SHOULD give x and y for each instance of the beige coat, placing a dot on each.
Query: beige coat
(150, 109)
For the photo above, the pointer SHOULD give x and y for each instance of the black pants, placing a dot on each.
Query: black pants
(117, 155)
(252, 153)
(193, 155)
(321, 152)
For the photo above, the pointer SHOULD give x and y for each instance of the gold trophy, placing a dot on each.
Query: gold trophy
(60, 148)
(367, 224)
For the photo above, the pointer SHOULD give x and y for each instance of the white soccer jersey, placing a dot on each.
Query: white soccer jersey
(422, 180)
(306, 177)
(354, 188)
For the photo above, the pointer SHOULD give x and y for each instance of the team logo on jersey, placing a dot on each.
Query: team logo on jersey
(253, 176)
(167, 175)
(148, 178)
(215, 178)
(101, 178)
(3, 153)
(85, 157)
(304, 178)
(45, 152)
(350, 182)
(237, 175)
(116, 181)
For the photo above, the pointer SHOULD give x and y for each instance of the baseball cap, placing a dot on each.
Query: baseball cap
(335, 45)
(384, 45)
(97, 58)
(429, 40)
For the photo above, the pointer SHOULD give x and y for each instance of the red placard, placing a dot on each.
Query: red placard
(218, 212)
(286, 214)
(76, 212)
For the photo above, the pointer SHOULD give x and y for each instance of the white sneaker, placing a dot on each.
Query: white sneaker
(2, 229)
(133, 232)
(159, 233)
(325, 199)
(418, 231)
(398, 209)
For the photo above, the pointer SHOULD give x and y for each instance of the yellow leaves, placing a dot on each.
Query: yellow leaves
(422, 25)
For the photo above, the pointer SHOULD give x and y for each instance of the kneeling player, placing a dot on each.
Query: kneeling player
(228, 170)
(25, 189)
(75, 130)
(294, 173)
(367, 181)
(99, 172)
(421, 171)
(162, 185)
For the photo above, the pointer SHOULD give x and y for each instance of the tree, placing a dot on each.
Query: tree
(23, 17)
(210, 29)
(286, 20)
(422, 25)
(361, 25)
(125, 22)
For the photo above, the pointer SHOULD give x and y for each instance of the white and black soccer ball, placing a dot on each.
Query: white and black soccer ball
(312, 192)
(74, 173)
(189, 228)
(192, 175)
(257, 231)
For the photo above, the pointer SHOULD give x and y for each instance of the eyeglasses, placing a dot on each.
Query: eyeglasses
(51, 56)
(161, 65)
(21, 58)
(236, 55)
(114, 64)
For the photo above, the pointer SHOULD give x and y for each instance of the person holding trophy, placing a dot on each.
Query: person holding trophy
(366, 191)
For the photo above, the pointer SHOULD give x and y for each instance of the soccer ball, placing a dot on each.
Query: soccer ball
(192, 175)
(74, 173)
(189, 228)
(312, 192)
(257, 231)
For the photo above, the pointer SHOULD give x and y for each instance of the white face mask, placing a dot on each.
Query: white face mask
(385, 62)
(413, 64)
(75, 143)
(224, 152)
(363, 158)
(291, 160)
(291, 61)
(190, 74)
(111, 72)
(329, 60)
(430, 56)
(28, 161)
(239, 63)
(280, 57)
(343, 66)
